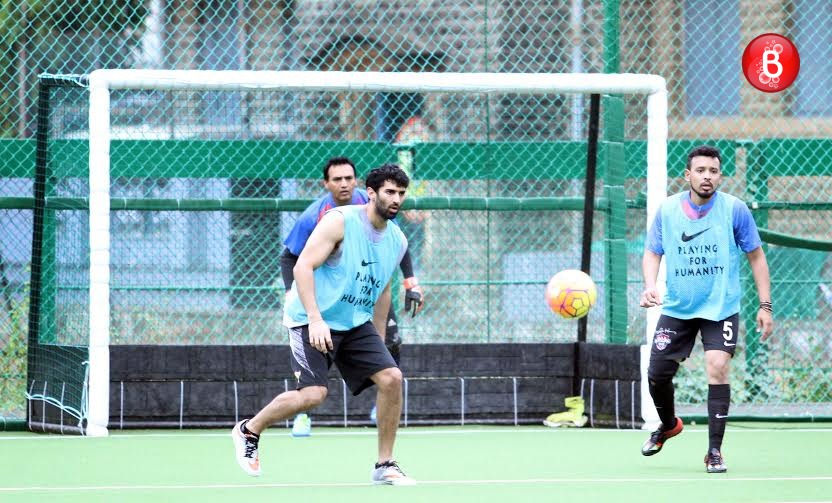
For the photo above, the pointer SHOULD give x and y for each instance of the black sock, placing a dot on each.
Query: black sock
(719, 398)
(246, 431)
(663, 394)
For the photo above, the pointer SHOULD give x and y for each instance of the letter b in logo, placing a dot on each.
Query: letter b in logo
(770, 59)
(770, 63)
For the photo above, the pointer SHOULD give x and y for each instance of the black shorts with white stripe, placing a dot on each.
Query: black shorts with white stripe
(674, 338)
(358, 353)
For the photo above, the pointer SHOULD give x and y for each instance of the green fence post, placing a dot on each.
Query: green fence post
(615, 230)
(615, 244)
(49, 278)
(612, 31)
(43, 274)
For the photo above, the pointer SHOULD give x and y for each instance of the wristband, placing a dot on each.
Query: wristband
(766, 306)
(410, 283)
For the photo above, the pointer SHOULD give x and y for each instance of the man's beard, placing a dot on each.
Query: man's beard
(384, 212)
(704, 195)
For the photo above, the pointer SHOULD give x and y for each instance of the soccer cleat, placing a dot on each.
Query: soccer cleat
(657, 439)
(302, 426)
(714, 462)
(246, 447)
(389, 473)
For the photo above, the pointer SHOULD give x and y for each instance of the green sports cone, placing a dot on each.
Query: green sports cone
(574, 416)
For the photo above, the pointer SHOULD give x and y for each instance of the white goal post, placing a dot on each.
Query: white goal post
(101, 82)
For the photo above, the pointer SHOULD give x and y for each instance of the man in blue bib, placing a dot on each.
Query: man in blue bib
(341, 183)
(701, 233)
(336, 312)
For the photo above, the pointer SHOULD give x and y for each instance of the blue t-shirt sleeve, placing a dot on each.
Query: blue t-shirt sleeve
(653, 242)
(359, 196)
(745, 229)
(304, 226)
(300, 232)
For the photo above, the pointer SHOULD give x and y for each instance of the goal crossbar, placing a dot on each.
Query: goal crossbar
(487, 83)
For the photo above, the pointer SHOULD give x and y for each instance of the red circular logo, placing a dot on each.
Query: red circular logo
(770, 63)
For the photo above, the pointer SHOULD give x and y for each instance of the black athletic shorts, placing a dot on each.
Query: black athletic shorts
(674, 338)
(358, 353)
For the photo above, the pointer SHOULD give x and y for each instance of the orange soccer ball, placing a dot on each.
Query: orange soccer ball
(570, 293)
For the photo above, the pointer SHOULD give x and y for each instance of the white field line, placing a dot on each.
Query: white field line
(584, 480)
(116, 434)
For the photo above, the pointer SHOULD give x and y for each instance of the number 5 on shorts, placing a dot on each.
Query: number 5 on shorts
(728, 333)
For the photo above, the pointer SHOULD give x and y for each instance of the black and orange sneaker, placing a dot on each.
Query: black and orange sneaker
(657, 439)
(714, 462)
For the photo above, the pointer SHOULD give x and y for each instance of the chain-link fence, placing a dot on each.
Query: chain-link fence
(776, 147)
(176, 271)
(14, 306)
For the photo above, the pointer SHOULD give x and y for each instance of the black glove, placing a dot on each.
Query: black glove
(392, 340)
(414, 299)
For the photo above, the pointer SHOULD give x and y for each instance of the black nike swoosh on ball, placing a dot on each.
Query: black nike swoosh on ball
(364, 263)
(687, 238)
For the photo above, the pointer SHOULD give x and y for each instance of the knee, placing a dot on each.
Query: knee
(662, 370)
(389, 379)
(313, 396)
(718, 371)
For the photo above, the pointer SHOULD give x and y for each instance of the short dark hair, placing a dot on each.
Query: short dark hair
(392, 172)
(704, 151)
(335, 161)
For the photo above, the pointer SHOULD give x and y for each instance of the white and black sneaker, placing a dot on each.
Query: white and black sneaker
(245, 445)
(714, 462)
(389, 473)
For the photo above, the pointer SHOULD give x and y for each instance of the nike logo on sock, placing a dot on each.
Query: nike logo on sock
(720, 417)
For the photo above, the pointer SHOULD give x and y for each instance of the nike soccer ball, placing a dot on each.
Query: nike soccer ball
(570, 293)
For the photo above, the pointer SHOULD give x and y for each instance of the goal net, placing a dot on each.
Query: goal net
(163, 198)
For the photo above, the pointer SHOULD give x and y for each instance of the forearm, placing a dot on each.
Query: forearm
(406, 265)
(287, 264)
(759, 269)
(380, 311)
(305, 284)
(650, 268)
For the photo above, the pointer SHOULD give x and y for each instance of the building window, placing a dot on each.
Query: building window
(132, 224)
(712, 74)
(813, 38)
